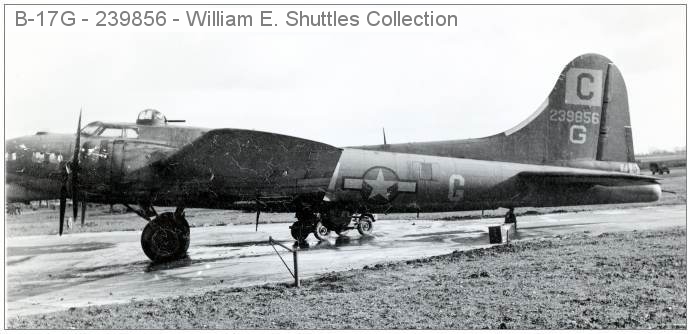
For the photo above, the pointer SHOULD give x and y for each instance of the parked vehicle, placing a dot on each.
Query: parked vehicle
(658, 168)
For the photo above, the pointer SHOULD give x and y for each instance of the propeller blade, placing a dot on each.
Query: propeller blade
(256, 226)
(63, 202)
(83, 211)
(75, 157)
(75, 207)
(75, 169)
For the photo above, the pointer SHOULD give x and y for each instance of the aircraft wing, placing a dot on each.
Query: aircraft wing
(591, 178)
(247, 164)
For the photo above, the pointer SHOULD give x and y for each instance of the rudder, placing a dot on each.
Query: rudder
(615, 142)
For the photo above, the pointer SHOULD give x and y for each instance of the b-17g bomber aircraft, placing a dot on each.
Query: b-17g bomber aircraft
(576, 149)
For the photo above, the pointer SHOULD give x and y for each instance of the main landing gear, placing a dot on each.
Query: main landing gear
(321, 224)
(167, 236)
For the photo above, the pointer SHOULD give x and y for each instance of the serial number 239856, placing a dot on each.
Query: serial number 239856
(571, 116)
(136, 18)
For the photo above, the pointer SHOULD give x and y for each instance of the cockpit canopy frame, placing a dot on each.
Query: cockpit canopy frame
(100, 129)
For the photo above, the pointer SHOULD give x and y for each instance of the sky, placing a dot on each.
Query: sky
(341, 87)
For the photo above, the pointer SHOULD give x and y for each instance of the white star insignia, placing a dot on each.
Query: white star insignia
(380, 186)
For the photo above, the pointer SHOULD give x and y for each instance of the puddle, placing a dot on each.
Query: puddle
(67, 248)
(19, 260)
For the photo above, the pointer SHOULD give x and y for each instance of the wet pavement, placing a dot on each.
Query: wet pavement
(51, 273)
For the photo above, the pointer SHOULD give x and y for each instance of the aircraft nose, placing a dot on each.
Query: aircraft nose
(35, 146)
(15, 145)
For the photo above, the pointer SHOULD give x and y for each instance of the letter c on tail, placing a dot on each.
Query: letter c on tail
(580, 86)
(583, 87)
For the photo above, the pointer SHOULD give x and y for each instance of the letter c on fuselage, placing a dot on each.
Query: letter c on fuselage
(456, 186)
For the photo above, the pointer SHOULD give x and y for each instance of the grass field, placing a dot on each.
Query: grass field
(612, 280)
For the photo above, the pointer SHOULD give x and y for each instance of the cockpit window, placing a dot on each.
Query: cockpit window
(111, 132)
(90, 129)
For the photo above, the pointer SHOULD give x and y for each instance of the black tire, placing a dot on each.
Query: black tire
(166, 239)
(321, 232)
(299, 234)
(364, 226)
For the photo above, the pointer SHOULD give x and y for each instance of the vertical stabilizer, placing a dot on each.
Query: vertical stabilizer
(584, 122)
(567, 127)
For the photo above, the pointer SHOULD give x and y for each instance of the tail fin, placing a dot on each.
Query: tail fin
(585, 117)
(583, 123)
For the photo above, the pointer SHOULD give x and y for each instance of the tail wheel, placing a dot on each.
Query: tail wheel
(364, 226)
(321, 231)
(510, 218)
(166, 238)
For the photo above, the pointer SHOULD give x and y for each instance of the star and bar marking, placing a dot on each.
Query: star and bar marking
(375, 186)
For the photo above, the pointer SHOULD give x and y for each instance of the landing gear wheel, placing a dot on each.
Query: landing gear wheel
(184, 226)
(321, 232)
(166, 238)
(364, 226)
(299, 233)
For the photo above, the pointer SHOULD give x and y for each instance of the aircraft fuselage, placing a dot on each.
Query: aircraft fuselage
(399, 182)
(125, 170)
